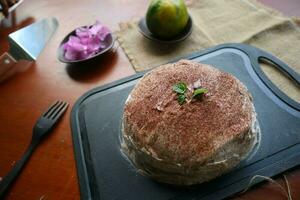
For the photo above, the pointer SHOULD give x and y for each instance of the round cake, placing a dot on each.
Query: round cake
(172, 136)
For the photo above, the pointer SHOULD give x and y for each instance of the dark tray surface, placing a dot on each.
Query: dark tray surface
(104, 173)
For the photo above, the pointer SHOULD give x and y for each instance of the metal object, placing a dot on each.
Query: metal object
(28, 42)
(42, 127)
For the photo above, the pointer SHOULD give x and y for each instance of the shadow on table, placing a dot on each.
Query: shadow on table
(93, 70)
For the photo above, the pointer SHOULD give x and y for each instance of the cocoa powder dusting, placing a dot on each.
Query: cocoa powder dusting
(186, 133)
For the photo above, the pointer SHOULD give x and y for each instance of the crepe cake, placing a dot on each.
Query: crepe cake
(194, 141)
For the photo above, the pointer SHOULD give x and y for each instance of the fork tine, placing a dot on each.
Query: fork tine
(58, 107)
(59, 111)
(53, 106)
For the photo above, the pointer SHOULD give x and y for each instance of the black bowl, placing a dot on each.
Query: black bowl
(182, 36)
(109, 43)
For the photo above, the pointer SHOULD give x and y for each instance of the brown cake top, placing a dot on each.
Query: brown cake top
(193, 131)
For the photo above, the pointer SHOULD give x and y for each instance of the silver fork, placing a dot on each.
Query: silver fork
(41, 128)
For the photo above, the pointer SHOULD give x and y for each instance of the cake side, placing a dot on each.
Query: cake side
(179, 143)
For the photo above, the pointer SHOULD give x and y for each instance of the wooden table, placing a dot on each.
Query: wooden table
(51, 171)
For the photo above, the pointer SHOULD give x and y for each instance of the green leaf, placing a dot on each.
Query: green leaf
(180, 88)
(181, 99)
(199, 92)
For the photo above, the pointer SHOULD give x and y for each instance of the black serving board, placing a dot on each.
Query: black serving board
(105, 174)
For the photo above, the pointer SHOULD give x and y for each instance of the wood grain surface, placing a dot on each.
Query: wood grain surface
(24, 94)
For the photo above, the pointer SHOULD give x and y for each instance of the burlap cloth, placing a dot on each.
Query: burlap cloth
(222, 21)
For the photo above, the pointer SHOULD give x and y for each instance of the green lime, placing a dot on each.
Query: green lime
(166, 18)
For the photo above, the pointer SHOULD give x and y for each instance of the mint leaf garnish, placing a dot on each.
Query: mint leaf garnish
(183, 95)
(199, 92)
(181, 99)
(180, 88)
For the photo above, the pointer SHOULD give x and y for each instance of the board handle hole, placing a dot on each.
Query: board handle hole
(280, 79)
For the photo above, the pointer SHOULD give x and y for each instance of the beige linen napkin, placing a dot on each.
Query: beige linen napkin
(222, 21)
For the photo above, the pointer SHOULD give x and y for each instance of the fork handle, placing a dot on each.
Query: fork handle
(15, 171)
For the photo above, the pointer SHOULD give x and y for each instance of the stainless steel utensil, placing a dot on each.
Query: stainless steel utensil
(27, 43)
